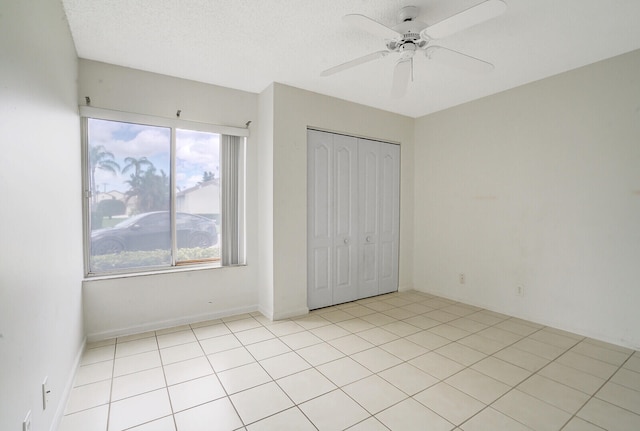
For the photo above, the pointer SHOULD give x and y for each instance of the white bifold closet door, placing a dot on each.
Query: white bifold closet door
(353, 218)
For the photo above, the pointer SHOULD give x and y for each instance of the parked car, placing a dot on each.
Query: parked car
(152, 231)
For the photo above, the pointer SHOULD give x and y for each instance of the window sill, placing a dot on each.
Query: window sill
(151, 272)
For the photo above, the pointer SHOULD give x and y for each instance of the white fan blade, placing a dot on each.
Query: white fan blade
(465, 19)
(457, 59)
(401, 75)
(355, 62)
(371, 26)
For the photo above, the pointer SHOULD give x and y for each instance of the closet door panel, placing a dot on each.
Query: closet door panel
(345, 158)
(389, 217)
(368, 193)
(320, 219)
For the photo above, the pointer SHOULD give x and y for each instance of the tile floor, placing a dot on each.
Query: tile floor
(403, 361)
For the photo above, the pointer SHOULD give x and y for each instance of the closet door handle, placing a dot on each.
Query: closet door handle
(346, 240)
(368, 239)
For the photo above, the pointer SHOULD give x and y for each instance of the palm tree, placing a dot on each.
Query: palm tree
(100, 158)
(136, 164)
(150, 189)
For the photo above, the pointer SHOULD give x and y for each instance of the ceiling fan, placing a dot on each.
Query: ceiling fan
(410, 36)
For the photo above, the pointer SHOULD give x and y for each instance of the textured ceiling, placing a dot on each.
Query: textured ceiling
(248, 44)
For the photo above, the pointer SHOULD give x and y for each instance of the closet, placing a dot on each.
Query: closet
(353, 207)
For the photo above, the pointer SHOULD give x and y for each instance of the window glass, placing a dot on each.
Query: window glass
(129, 202)
(153, 195)
(198, 195)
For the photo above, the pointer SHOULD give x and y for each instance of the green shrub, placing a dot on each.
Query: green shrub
(139, 259)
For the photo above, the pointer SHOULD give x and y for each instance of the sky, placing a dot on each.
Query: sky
(196, 152)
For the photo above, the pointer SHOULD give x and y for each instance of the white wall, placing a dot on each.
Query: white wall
(265, 201)
(122, 305)
(538, 187)
(40, 214)
(295, 110)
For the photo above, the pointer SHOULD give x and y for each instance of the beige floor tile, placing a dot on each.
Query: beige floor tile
(284, 365)
(620, 396)
(571, 377)
(343, 371)
(450, 403)
(400, 313)
(94, 419)
(377, 336)
(554, 339)
(289, 420)
(539, 348)
(98, 354)
(355, 325)
(423, 322)
(501, 335)
(358, 310)
(219, 412)
(135, 363)
(305, 385)
(268, 349)
(137, 410)
(259, 402)
(181, 352)
(369, 424)
(195, 392)
(300, 340)
(410, 415)
(244, 377)
(522, 359)
(89, 396)
(344, 411)
(166, 423)
(378, 319)
(627, 378)
(173, 329)
(216, 330)
(468, 325)
(254, 335)
(461, 353)
(137, 346)
(441, 316)
(478, 385)
(187, 370)
(428, 340)
(311, 321)
(351, 344)
(280, 329)
(408, 378)
(492, 420)
(554, 393)
(243, 324)
(482, 344)
(228, 359)
(608, 416)
(320, 354)
(374, 393)
(403, 349)
(577, 424)
(589, 365)
(436, 365)
(449, 332)
(219, 344)
(501, 370)
(531, 411)
(633, 363)
(137, 383)
(611, 356)
(93, 373)
(376, 359)
(329, 332)
(137, 336)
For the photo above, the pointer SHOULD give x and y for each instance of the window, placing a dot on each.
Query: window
(161, 193)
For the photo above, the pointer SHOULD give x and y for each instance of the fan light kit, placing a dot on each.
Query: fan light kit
(410, 36)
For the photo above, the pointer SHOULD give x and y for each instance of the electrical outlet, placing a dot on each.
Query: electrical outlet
(46, 392)
(462, 279)
(520, 290)
(26, 424)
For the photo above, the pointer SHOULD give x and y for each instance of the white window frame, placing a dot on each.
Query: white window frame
(87, 112)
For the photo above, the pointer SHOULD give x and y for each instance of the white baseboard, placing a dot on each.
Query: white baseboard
(66, 391)
(169, 323)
